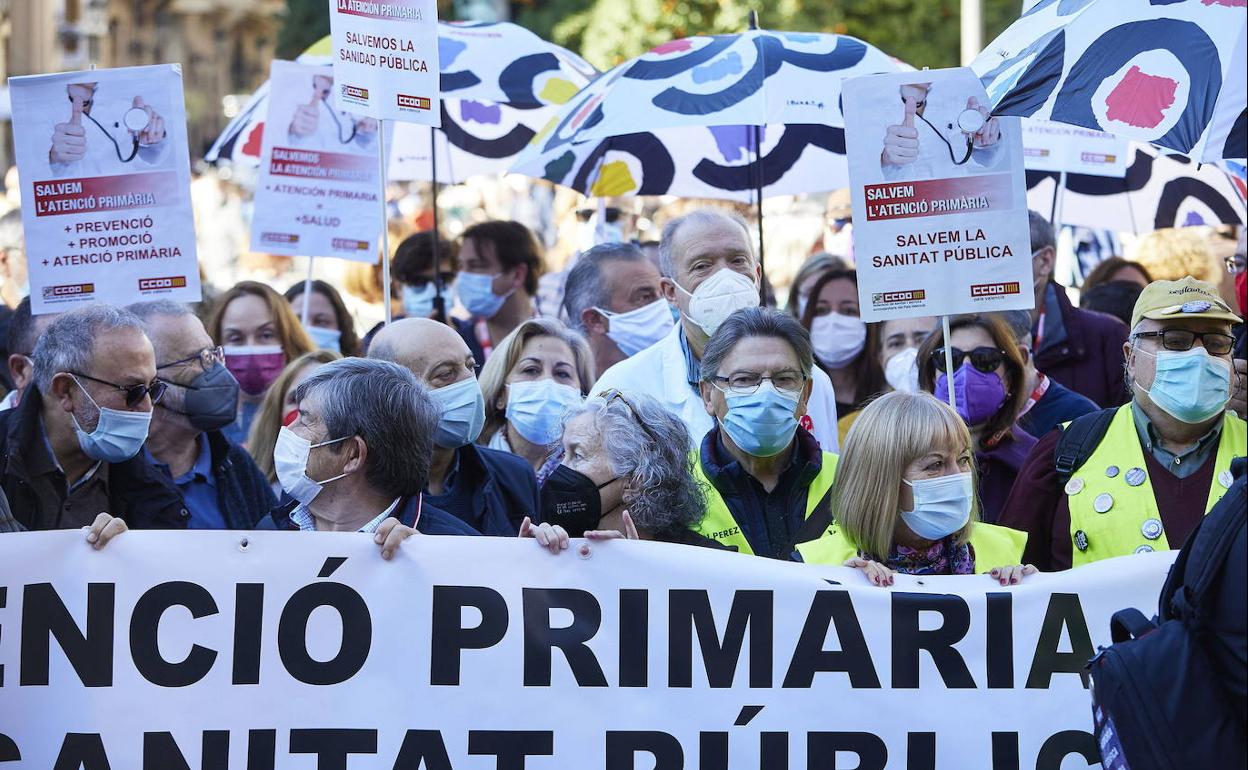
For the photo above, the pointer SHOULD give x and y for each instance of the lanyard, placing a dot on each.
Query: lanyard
(1042, 387)
(482, 330)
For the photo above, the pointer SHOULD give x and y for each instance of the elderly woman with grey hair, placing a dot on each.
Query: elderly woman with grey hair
(625, 474)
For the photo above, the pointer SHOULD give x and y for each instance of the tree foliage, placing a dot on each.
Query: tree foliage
(924, 33)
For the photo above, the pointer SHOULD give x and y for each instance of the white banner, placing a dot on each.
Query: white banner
(492, 653)
(1051, 146)
(105, 182)
(319, 187)
(939, 197)
(386, 58)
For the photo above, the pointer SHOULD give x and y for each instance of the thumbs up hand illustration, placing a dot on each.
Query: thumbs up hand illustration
(69, 139)
(901, 140)
(308, 116)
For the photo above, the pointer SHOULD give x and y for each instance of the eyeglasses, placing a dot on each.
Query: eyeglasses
(748, 383)
(613, 394)
(207, 358)
(1216, 343)
(134, 393)
(420, 282)
(612, 214)
(1236, 263)
(984, 359)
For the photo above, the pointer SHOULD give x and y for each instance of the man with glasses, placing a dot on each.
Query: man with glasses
(764, 474)
(72, 447)
(220, 482)
(1140, 477)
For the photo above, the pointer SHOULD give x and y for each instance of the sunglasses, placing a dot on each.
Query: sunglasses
(984, 359)
(613, 394)
(134, 393)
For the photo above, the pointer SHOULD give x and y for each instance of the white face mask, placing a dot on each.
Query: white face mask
(718, 297)
(638, 329)
(290, 460)
(902, 371)
(837, 338)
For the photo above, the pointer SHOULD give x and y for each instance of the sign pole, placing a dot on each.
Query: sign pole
(439, 305)
(385, 229)
(944, 326)
(307, 292)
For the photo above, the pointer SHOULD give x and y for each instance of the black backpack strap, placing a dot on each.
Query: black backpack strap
(1206, 552)
(1079, 440)
(1129, 624)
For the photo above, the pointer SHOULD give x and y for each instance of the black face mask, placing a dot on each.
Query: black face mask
(572, 500)
(211, 400)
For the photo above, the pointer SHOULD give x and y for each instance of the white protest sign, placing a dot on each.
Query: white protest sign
(106, 202)
(1052, 146)
(385, 56)
(319, 171)
(939, 197)
(302, 650)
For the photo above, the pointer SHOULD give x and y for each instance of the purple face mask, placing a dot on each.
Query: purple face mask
(978, 395)
(255, 366)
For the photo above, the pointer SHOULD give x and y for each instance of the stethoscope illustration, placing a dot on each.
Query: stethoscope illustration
(135, 119)
(323, 93)
(969, 122)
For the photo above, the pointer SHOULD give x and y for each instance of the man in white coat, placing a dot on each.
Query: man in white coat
(709, 271)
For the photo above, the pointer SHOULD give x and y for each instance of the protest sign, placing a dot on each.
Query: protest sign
(386, 58)
(1051, 146)
(281, 650)
(939, 197)
(319, 189)
(105, 183)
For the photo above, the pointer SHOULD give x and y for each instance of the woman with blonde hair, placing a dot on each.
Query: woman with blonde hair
(277, 410)
(261, 335)
(905, 499)
(536, 373)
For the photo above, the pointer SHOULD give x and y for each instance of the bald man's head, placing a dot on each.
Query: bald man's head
(433, 351)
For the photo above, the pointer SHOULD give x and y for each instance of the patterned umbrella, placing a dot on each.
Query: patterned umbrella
(492, 104)
(689, 116)
(1159, 191)
(1160, 71)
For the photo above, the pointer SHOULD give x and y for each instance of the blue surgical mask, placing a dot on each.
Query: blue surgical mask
(118, 435)
(463, 413)
(762, 424)
(1190, 385)
(476, 294)
(942, 505)
(325, 339)
(418, 303)
(536, 408)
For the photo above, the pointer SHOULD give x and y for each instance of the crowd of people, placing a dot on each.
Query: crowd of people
(662, 401)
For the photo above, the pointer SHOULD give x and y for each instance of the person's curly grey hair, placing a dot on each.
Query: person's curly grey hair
(661, 493)
(68, 344)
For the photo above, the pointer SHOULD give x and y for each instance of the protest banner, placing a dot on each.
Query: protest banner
(319, 192)
(1052, 146)
(385, 56)
(303, 651)
(105, 181)
(939, 197)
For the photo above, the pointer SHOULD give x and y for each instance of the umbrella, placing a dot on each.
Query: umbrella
(689, 117)
(492, 105)
(1159, 191)
(499, 82)
(1159, 71)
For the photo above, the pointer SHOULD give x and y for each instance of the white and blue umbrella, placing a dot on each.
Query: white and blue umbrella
(500, 84)
(1169, 73)
(690, 117)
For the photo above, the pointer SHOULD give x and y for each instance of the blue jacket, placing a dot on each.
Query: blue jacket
(433, 521)
(243, 493)
(503, 491)
(1059, 404)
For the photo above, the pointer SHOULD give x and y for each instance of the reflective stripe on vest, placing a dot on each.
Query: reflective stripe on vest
(719, 524)
(994, 546)
(1130, 521)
